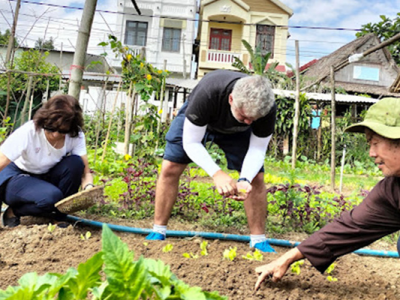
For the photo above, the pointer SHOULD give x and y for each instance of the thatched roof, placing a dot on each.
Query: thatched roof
(395, 88)
(320, 71)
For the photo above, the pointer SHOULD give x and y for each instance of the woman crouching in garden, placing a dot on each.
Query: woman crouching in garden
(44, 161)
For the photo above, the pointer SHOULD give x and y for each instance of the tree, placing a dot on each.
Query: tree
(28, 61)
(4, 38)
(45, 44)
(258, 63)
(385, 29)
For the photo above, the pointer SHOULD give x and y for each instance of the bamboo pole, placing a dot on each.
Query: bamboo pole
(333, 128)
(127, 120)
(132, 124)
(30, 108)
(296, 108)
(99, 124)
(110, 121)
(27, 98)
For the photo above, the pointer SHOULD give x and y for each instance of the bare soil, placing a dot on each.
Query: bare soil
(30, 247)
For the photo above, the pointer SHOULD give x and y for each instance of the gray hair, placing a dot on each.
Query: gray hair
(254, 94)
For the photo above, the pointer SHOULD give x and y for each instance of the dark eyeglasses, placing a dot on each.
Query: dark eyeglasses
(50, 129)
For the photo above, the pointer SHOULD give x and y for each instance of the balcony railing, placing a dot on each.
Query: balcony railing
(221, 56)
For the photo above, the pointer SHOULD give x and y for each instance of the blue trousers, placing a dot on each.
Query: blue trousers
(35, 195)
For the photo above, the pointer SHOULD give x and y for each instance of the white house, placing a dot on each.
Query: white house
(165, 29)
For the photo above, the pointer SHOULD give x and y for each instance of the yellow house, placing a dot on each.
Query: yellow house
(224, 23)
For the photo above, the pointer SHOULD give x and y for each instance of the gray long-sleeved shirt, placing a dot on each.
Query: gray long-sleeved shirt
(377, 216)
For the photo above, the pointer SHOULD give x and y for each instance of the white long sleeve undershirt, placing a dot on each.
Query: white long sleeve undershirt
(254, 159)
(192, 137)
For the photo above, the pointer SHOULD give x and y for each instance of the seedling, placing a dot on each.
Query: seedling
(51, 227)
(242, 192)
(330, 278)
(191, 255)
(329, 271)
(296, 266)
(230, 253)
(330, 268)
(203, 248)
(255, 256)
(167, 248)
(87, 236)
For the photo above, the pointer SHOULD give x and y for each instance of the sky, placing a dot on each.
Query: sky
(60, 23)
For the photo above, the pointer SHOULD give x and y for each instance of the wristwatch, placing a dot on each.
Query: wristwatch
(89, 184)
(243, 179)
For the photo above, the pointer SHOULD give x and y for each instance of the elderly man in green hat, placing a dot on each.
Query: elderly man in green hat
(377, 216)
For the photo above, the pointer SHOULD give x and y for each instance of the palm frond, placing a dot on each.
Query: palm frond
(240, 65)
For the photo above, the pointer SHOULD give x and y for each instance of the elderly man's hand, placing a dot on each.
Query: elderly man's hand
(276, 269)
(224, 183)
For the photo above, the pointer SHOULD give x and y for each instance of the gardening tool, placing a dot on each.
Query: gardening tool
(81, 200)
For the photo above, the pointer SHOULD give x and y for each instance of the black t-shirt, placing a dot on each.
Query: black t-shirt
(208, 104)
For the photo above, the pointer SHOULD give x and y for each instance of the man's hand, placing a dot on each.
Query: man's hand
(224, 183)
(276, 269)
(244, 188)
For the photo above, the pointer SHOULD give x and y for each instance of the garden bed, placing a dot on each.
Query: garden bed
(33, 248)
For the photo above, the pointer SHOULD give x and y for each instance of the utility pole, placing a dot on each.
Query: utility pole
(81, 48)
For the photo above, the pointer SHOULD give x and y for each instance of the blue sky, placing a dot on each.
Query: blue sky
(352, 14)
(62, 24)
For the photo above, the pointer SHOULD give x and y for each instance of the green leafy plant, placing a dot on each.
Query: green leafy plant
(46, 81)
(124, 279)
(190, 255)
(51, 227)
(5, 129)
(167, 248)
(87, 236)
(203, 247)
(332, 279)
(329, 270)
(296, 266)
(256, 255)
(230, 254)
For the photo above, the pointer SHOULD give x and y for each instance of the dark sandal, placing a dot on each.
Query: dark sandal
(9, 221)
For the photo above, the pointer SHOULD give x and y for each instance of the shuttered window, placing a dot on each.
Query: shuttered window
(265, 38)
(220, 39)
(171, 39)
(136, 33)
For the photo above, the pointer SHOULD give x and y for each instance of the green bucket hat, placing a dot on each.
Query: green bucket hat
(382, 117)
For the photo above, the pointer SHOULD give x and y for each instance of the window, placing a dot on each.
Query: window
(220, 39)
(171, 39)
(136, 33)
(265, 37)
(366, 73)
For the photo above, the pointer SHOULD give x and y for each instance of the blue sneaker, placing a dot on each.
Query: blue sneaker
(155, 236)
(264, 247)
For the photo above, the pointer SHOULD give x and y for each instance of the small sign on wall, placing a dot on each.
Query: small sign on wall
(225, 8)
